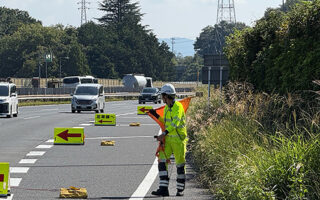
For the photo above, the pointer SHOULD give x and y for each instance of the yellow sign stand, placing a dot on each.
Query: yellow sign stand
(4, 179)
(142, 110)
(105, 119)
(69, 135)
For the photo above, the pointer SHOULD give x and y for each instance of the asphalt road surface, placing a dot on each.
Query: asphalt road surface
(128, 170)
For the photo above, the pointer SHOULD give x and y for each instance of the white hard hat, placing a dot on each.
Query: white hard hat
(168, 89)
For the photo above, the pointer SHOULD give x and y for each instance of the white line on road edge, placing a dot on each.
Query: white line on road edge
(36, 153)
(125, 137)
(147, 182)
(27, 161)
(34, 117)
(15, 182)
(19, 170)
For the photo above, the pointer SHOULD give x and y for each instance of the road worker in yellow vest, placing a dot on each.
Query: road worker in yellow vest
(175, 137)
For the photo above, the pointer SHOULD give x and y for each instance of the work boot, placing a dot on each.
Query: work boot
(179, 193)
(162, 191)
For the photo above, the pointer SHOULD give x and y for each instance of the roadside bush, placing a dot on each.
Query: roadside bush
(256, 146)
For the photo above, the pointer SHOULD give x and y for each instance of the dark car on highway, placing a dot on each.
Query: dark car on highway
(150, 95)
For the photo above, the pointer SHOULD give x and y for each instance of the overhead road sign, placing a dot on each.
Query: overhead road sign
(215, 75)
(143, 110)
(215, 60)
(105, 119)
(4, 180)
(69, 135)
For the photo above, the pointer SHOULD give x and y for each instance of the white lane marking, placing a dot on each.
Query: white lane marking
(15, 182)
(125, 137)
(19, 170)
(36, 153)
(125, 114)
(44, 146)
(134, 117)
(85, 124)
(91, 121)
(137, 126)
(50, 141)
(27, 161)
(147, 182)
(49, 109)
(119, 104)
(34, 117)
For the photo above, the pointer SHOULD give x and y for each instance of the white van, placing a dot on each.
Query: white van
(88, 97)
(8, 100)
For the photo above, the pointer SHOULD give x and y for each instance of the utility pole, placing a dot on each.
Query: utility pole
(172, 44)
(83, 9)
(226, 11)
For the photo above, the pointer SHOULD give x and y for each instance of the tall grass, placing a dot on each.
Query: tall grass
(256, 146)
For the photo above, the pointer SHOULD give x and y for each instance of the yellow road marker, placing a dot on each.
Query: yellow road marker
(107, 143)
(135, 124)
(74, 193)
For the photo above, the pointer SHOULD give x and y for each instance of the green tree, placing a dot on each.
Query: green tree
(12, 19)
(212, 38)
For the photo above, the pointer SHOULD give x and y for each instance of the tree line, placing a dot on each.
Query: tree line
(118, 44)
(281, 52)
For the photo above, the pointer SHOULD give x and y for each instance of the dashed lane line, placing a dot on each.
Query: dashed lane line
(42, 146)
(15, 182)
(19, 170)
(36, 153)
(33, 117)
(28, 161)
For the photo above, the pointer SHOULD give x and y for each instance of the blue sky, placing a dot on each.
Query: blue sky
(167, 18)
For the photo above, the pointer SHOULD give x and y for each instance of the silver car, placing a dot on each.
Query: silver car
(88, 97)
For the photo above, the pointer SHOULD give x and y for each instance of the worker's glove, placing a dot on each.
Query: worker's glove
(165, 132)
(154, 113)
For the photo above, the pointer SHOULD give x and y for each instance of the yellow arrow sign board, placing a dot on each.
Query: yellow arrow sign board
(4, 179)
(142, 110)
(105, 119)
(69, 135)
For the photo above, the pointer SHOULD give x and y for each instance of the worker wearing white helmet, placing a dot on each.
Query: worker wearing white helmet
(175, 141)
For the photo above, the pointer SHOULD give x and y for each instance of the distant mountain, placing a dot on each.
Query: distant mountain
(181, 45)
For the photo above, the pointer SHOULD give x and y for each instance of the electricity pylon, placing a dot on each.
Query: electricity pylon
(83, 9)
(226, 11)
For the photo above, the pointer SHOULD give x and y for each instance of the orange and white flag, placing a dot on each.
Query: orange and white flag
(160, 111)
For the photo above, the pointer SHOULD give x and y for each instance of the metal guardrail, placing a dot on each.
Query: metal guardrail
(65, 91)
(126, 96)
